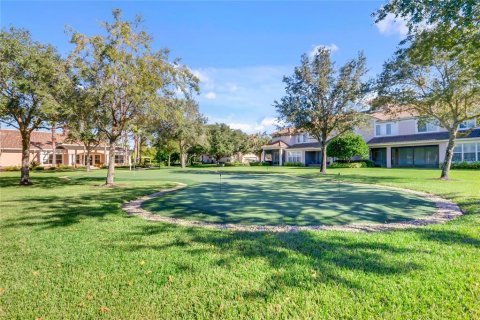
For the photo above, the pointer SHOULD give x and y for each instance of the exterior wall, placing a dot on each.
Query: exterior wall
(407, 127)
(14, 157)
(10, 158)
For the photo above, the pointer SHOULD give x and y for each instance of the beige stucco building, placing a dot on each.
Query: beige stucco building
(402, 140)
(41, 150)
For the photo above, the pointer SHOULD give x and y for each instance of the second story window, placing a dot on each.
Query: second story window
(465, 125)
(384, 129)
(427, 126)
(301, 138)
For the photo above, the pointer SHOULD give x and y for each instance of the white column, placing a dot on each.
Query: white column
(280, 160)
(389, 157)
(262, 156)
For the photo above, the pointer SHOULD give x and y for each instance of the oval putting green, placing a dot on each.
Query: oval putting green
(267, 199)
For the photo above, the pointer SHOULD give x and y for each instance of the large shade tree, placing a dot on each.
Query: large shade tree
(126, 75)
(436, 71)
(183, 123)
(223, 141)
(33, 78)
(437, 89)
(322, 100)
(82, 122)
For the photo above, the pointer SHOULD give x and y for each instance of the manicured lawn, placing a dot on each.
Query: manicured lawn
(68, 251)
(275, 199)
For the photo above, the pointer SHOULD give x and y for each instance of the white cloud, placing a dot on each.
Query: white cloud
(244, 96)
(210, 95)
(267, 124)
(332, 47)
(391, 26)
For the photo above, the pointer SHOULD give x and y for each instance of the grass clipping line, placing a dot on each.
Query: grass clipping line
(446, 211)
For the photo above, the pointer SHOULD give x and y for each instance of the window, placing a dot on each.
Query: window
(466, 152)
(302, 138)
(469, 152)
(97, 159)
(426, 126)
(47, 158)
(389, 129)
(384, 129)
(119, 159)
(467, 124)
(457, 153)
(294, 156)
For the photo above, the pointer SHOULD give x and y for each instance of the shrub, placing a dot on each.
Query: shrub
(11, 168)
(38, 168)
(347, 146)
(259, 164)
(293, 164)
(466, 165)
(368, 163)
(348, 165)
(34, 164)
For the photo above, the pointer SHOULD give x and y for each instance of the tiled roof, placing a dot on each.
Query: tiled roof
(11, 139)
(421, 137)
(395, 113)
(278, 143)
(287, 132)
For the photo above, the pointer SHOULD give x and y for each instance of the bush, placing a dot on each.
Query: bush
(367, 163)
(11, 168)
(38, 168)
(33, 165)
(348, 165)
(293, 164)
(260, 164)
(466, 165)
(347, 146)
(234, 164)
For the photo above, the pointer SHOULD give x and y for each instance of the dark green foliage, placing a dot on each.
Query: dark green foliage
(324, 100)
(348, 165)
(466, 165)
(293, 164)
(347, 146)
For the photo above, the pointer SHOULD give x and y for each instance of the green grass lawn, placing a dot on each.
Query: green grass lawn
(273, 199)
(67, 250)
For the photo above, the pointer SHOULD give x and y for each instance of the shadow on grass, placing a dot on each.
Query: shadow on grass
(302, 259)
(49, 182)
(61, 210)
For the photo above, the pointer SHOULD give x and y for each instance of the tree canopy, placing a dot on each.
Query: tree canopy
(126, 76)
(346, 146)
(322, 100)
(33, 78)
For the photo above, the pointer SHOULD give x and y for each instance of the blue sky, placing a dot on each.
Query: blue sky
(239, 50)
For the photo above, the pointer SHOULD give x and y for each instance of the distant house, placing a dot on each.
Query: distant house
(41, 151)
(400, 141)
(243, 158)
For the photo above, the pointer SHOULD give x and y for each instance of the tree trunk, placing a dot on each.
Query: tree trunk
(111, 164)
(25, 171)
(169, 159)
(323, 168)
(183, 157)
(54, 146)
(182, 154)
(135, 148)
(88, 160)
(449, 155)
